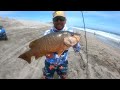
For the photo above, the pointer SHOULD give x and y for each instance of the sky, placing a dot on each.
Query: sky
(103, 20)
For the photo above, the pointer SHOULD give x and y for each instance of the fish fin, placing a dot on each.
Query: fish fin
(26, 56)
(60, 53)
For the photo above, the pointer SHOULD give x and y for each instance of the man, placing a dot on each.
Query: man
(53, 62)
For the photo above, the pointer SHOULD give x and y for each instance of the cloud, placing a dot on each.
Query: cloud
(7, 12)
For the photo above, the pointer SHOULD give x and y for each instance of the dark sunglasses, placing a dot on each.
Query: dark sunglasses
(59, 18)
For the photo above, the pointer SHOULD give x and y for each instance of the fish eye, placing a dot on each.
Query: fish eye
(72, 34)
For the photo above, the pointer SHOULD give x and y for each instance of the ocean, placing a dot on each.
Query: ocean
(106, 37)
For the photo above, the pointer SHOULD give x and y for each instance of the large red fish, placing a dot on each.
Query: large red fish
(50, 43)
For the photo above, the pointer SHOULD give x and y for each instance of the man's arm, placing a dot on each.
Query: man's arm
(76, 47)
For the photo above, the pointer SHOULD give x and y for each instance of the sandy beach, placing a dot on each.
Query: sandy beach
(103, 59)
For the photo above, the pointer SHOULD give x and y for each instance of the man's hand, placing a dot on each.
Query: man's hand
(77, 47)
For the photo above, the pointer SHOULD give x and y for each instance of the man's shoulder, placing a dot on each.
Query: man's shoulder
(47, 32)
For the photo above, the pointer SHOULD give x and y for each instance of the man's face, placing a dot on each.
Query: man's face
(59, 22)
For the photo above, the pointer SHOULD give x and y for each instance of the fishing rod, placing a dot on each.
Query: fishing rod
(87, 74)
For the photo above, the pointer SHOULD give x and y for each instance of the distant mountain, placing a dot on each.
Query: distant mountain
(14, 23)
(8, 22)
(51, 23)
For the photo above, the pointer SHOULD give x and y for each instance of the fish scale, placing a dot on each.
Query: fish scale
(54, 42)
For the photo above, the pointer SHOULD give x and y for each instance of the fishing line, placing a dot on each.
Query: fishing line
(86, 44)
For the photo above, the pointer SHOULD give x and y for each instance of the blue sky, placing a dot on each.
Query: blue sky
(103, 20)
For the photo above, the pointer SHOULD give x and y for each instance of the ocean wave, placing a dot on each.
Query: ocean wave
(109, 35)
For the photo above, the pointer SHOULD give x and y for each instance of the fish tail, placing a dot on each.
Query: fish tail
(26, 56)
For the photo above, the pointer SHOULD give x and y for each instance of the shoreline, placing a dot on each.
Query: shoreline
(109, 42)
(109, 35)
(92, 29)
(106, 40)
